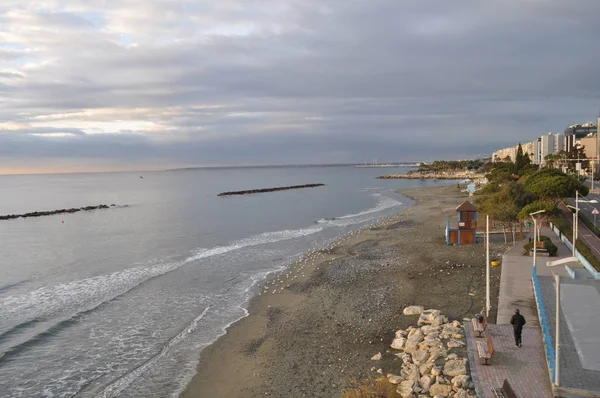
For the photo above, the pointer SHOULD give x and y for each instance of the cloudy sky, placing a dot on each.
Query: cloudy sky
(150, 84)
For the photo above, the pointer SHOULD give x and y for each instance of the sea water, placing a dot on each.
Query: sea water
(120, 302)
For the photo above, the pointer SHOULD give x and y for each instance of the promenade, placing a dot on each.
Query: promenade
(526, 368)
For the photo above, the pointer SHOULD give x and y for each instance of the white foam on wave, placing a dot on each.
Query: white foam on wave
(115, 388)
(88, 293)
(384, 203)
(256, 240)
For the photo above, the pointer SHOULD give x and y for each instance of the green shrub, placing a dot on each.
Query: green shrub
(565, 229)
(548, 245)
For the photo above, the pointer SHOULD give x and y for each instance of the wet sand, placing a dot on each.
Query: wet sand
(313, 329)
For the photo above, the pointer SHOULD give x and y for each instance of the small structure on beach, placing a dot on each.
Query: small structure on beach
(466, 233)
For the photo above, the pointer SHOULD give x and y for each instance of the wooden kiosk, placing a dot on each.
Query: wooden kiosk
(466, 233)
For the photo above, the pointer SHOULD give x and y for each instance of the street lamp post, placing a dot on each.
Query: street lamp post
(535, 234)
(557, 315)
(576, 223)
(574, 220)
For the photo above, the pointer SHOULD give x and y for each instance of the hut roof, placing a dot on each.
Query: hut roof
(466, 206)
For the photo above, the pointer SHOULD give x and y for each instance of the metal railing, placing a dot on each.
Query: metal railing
(546, 333)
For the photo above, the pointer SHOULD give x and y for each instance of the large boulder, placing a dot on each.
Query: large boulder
(455, 367)
(428, 329)
(428, 316)
(398, 343)
(405, 388)
(410, 371)
(406, 358)
(440, 389)
(413, 310)
(401, 333)
(394, 379)
(462, 381)
(415, 337)
(426, 382)
(425, 369)
(455, 344)
(461, 394)
(420, 357)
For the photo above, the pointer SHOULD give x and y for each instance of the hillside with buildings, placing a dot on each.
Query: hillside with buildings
(577, 141)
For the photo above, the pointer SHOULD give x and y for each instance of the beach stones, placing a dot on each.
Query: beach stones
(428, 369)
(455, 367)
(376, 357)
(413, 310)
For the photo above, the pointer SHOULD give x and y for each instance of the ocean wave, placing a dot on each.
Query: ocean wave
(116, 387)
(256, 240)
(81, 296)
(348, 219)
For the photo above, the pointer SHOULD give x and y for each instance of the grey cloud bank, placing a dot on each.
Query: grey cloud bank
(249, 82)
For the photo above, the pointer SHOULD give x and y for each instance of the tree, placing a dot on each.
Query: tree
(502, 202)
(520, 160)
(550, 210)
(552, 185)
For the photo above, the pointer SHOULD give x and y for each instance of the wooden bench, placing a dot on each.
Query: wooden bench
(479, 327)
(505, 392)
(485, 350)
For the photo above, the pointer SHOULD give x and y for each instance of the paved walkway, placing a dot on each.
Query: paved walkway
(526, 368)
(516, 290)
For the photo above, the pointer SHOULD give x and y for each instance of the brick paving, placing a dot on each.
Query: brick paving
(525, 368)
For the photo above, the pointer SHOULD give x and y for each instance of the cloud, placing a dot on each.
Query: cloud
(248, 81)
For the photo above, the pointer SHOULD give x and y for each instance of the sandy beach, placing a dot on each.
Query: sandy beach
(312, 329)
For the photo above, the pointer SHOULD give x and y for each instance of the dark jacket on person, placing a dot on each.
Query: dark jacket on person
(518, 321)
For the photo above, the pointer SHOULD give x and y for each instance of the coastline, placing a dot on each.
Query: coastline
(312, 329)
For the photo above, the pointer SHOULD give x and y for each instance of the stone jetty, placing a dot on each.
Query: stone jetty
(432, 176)
(269, 189)
(53, 212)
(432, 358)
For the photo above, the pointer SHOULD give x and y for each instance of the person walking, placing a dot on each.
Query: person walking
(518, 321)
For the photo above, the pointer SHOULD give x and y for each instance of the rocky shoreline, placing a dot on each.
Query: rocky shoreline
(313, 328)
(432, 176)
(53, 212)
(433, 360)
(251, 191)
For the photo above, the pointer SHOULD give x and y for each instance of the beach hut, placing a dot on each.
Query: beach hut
(466, 233)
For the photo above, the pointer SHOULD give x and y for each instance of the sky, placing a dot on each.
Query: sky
(90, 85)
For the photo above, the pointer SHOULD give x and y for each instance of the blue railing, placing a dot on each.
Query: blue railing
(548, 342)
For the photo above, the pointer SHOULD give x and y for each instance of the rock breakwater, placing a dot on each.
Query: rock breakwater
(53, 212)
(432, 358)
(262, 190)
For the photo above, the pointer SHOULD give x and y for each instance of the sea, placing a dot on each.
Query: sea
(120, 302)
